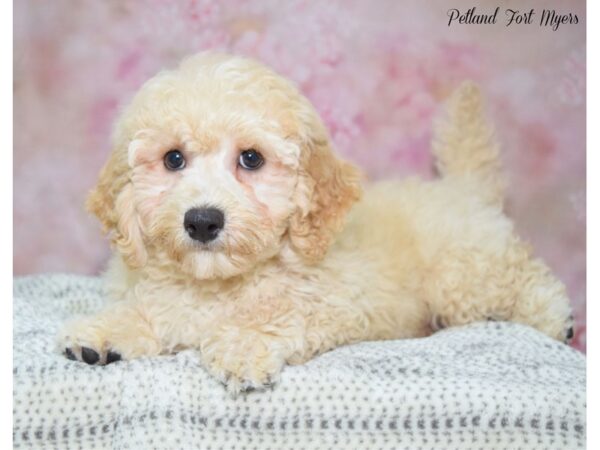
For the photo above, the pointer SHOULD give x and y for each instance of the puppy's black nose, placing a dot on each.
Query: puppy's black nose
(203, 224)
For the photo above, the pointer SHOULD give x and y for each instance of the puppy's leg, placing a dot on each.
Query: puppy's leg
(471, 285)
(259, 337)
(543, 302)
(120, 331)
(249, 349)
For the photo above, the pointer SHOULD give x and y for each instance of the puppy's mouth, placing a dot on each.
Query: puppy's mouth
(213, 246)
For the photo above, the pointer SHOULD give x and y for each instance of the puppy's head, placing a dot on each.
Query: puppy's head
(219, 165)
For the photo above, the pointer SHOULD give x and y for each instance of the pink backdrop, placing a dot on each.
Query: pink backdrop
(376, 71)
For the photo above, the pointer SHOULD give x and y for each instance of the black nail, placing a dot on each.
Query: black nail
(570, 333)
(112, 357)
(70, 354)
(89, 355)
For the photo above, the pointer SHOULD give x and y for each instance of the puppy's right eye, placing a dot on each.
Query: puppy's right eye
(174, 160)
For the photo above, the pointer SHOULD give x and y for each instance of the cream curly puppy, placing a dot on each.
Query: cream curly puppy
(239, 233)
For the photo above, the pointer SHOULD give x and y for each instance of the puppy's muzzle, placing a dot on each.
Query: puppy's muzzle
(203, 224)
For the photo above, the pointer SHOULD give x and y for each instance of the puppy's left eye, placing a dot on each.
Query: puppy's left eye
(251, 159)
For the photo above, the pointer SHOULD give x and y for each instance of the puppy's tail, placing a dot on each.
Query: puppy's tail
(464, 144)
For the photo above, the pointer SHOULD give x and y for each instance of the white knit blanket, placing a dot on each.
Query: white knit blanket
(487, 385)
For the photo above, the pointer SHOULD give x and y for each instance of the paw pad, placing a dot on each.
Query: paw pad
(70, 354)
(89, 355)
(112, 357)
(92, 357)
(570, 333)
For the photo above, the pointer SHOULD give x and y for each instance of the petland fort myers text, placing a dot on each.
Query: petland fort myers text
(547, 18)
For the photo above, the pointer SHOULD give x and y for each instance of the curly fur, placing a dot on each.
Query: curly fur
(302, 265)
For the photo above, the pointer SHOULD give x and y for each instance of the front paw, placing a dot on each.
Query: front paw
(243, 365)
(90, 356)
(82, 341)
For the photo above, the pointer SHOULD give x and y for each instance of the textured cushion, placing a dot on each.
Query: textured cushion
(487, 385)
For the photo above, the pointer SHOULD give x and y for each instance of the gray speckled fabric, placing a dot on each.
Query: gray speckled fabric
(483, 386)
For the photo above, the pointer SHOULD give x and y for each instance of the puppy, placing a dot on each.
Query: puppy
(239, 233)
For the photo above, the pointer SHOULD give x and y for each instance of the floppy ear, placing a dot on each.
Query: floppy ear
(113, 203)
(327, 188)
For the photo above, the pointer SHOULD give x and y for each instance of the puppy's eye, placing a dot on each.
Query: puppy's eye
(251, 159)
(174, 160)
